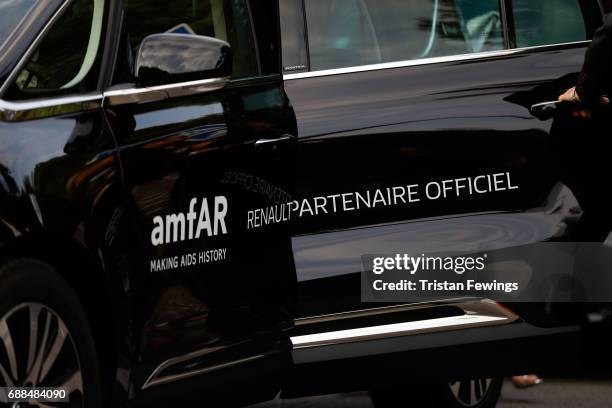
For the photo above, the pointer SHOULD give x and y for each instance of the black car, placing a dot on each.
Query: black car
(177, 222)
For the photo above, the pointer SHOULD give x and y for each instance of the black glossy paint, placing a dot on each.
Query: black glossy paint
(201, 147)
(175, 154)
(62, 203)
(415, 124)
(82, 192)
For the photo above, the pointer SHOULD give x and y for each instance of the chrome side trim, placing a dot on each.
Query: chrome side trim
(385, 310)
(116, 97)
(477, 314)
(32, 47)
(42, 108)
(424, 61)
(157, 378)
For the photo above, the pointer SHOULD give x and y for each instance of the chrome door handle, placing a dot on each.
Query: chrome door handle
(545, 110)
(262, 143)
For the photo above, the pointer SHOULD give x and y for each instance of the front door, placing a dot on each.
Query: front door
(194, 168)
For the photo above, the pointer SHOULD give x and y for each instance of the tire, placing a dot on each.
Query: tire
(451, 395)
(34, 298)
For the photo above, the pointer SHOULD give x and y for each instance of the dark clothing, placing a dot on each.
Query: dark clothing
(583, 162)
(594, 80)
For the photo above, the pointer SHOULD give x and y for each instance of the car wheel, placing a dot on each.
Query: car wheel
(45, 339)
(480, 393)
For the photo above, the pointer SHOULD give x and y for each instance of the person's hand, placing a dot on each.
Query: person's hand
(571, 96)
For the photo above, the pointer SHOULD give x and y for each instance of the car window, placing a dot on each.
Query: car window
(11, 13)
(345, 33)
(227, 20)
(67, 58)
(546, 22)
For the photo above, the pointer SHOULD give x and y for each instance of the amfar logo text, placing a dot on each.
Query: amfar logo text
(180, 227)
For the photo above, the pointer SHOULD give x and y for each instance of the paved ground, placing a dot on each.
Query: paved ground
(553, 393)
(560, 393)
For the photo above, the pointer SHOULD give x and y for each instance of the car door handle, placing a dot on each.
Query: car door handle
(271, 143)
(545, 110)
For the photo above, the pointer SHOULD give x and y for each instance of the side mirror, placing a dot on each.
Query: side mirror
(171, 58)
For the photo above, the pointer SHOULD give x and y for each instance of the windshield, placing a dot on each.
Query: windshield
(11, 13)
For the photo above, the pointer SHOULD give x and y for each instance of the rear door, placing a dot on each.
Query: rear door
(209, 289)
(393, 94)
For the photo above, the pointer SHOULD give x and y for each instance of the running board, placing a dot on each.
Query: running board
(476, 313)
(419, 344)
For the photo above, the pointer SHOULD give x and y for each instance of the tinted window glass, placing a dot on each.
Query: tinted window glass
(545, 22)
(67, 59)
(226, 20)
(344, 33)
(11, 13)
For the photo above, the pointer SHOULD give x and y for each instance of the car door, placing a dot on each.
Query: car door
(392, 94)
(210, 290)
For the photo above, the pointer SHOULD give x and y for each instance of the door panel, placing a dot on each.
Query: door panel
(211, 292)
(411, 125)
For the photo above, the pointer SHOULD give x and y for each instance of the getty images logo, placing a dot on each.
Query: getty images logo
(180, 227)
(413, 264)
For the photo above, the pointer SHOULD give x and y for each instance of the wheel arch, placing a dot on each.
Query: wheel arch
(93, 288)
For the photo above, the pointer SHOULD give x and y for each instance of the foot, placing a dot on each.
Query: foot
(526, 381)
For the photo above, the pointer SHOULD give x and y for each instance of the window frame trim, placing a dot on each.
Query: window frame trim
(429, 61)
(39, 108)
(297, 10)
(507, 16)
